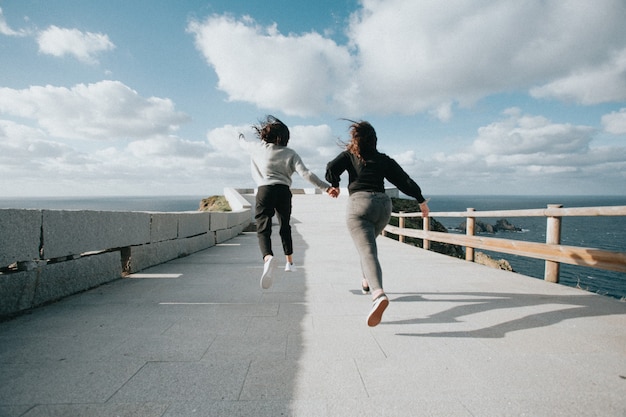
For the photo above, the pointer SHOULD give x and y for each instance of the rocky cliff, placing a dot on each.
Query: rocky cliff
(501, 225)
(410, 206)
(214, 203)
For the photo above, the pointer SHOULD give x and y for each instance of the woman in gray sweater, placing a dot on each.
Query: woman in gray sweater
(272, 165)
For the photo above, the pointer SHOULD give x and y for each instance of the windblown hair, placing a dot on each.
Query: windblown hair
(362, 139)
(272, 130)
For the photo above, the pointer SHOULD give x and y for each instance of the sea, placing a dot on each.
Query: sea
(608, 233)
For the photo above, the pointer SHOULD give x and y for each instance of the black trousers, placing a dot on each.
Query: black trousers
(272, 199)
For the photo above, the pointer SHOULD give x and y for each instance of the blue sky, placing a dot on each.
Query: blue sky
(148, 97)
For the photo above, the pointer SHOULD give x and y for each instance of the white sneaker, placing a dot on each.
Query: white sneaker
(268, 271)
(378, 308)
(290, 267)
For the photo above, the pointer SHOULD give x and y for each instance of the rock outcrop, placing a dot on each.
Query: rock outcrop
(214, 203)
(502, 225)
(403, 204)
(410, 206)
(484, 259)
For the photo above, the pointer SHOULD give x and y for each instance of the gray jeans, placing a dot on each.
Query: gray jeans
(367, 215)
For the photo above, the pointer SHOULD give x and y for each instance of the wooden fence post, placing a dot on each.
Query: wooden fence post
(553, 236)
(470, 225)
(401, 226)
(426, 228)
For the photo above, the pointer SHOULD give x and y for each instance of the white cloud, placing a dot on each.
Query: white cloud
(5, 29)
(84, 46)
(30, 160)
(105, 110)
(31, 163)
(527, 135)
(443, 112)
(416, 55)
(225, 141)
(167, 147)
(19, 142)
(518, 154)
(312, 142)
(299, 74)
(526, 154)
(406, 158)
(592, 85)
(406, 56)
(136, 151)
(615, 122)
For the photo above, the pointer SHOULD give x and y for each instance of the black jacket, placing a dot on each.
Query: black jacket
(371, 175)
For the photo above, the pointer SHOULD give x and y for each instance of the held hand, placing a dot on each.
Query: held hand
(333, 192)
(424, 209)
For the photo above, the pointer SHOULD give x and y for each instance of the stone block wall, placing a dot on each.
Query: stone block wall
(46, 255)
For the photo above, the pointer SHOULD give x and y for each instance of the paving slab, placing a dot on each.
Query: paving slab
(197, 336)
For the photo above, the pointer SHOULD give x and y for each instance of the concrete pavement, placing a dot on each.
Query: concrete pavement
(197, 336)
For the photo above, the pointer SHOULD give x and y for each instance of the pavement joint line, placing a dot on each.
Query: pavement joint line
(226, 304)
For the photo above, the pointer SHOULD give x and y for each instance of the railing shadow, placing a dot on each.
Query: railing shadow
(572, 306)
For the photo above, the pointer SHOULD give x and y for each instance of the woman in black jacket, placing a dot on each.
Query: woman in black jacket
(369, 208)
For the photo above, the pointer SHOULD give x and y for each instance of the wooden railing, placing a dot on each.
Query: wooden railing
(551, 251)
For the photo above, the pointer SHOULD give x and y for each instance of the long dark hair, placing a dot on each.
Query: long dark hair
(272, 130)
(362, 139)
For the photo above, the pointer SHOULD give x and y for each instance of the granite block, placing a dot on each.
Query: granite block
(193, 223)
(219, 220)
(20, 235)
(17, 291)
(76, 232)
(61, 279)
(163, 226)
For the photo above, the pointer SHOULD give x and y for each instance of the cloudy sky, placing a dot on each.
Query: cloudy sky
(144, 97)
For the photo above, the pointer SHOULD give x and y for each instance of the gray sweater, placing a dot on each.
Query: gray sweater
(275, 164)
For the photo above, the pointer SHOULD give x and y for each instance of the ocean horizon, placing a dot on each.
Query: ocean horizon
(608, 233)
(444, 202)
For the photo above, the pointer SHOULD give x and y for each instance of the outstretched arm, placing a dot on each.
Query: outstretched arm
(304, 172)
